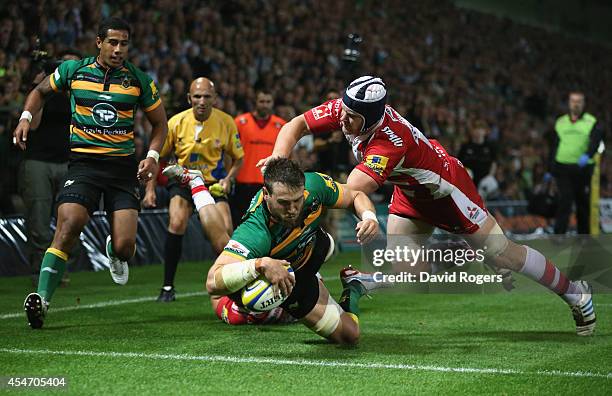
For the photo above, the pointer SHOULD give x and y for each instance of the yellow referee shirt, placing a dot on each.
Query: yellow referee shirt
(202, 145)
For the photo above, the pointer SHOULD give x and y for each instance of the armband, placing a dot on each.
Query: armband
(26, 115)
(237, 275)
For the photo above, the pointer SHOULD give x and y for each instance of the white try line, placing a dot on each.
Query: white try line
(301, 362)
(112, 303)
(104, 304)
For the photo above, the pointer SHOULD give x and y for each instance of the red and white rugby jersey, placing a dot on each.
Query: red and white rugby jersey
(396, 151)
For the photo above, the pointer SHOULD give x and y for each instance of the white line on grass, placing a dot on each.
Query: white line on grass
(316, 363)
(108, 303)
(105, 304)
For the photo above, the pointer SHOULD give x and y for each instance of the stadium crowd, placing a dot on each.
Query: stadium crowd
(451, 69)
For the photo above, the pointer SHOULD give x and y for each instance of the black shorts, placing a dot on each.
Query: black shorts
(88, 180)
(305, 293)
(175, 188)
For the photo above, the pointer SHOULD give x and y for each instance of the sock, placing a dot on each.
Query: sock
(349, 301)
(200, 194)
(229, 312)
(51, 271)
(538, 268)
(173, 250)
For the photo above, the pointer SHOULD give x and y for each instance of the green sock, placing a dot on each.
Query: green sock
(349, 301)
(109, 247)
(51, 272)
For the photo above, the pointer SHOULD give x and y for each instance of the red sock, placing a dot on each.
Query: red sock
(229, 312)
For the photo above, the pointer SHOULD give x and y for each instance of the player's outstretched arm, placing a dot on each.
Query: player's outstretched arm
(367, 229)
(228, 274)
(361, 181)
(148, 167)
(33, 104)
(286, 140)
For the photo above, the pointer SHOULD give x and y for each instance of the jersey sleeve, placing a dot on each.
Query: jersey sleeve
(234, 146)
(149, 96)
(59, 78)
(325, 117)
(380, 158)
(249, 241)
(326, 189)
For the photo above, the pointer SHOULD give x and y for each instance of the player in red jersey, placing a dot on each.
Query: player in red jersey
(431, 188)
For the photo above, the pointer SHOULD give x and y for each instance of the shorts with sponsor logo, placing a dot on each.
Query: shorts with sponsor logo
(305, 293)
(460, 212)
(87, 181)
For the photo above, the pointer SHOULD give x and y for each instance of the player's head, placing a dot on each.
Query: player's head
(332, 94)
(264, 103)
(284, 191)
(576, 102)
(70, 54)
(364, 99)
(113, 42)
(202, 97)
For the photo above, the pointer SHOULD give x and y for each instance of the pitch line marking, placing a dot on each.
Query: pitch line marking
(315, 363)
(109, 303)
(104, 304)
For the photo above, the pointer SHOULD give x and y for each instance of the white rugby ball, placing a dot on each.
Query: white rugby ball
(259, 295)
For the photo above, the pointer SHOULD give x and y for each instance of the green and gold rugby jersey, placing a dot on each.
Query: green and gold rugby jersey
(104, 103)
(260, 236)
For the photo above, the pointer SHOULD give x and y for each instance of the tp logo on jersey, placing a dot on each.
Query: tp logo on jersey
(377, 163)
(104, 114)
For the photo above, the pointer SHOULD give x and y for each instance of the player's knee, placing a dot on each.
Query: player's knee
(178, 224)
(350, 335)
(496, 243)
(124, 248)
(69, 229)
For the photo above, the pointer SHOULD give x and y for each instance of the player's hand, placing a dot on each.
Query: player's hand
(20, 135)
(226, 183)
(367, 230)
(276, 273)
(264, 162)
(147, 170)
(150, 199)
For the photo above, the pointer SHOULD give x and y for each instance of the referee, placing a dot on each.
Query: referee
(576, 139)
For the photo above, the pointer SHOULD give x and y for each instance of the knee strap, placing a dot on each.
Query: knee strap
(329, 321)
(496, 242)
(332, 246)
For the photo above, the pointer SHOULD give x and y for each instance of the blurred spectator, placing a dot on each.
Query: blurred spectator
(43, 170)
(446, 75)
(258, 130)
(579, 135)
(332, 148)
(478, 154)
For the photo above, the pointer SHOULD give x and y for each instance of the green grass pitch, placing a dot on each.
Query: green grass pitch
(109, 339)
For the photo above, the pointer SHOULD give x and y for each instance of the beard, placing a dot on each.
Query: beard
(287, 223)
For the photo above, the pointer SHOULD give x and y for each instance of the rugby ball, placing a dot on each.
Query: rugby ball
(259, 295)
